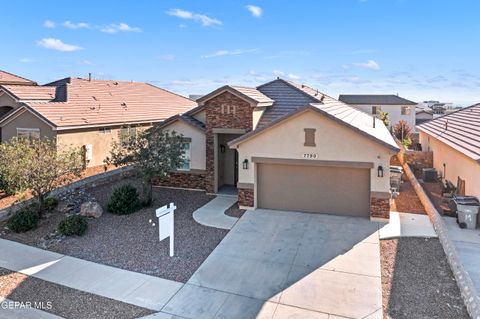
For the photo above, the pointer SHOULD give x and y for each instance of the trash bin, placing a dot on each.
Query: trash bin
(467, 210)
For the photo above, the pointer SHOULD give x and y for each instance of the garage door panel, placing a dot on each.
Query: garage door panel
(333, 190)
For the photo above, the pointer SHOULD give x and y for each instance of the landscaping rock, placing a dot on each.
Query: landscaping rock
(91, 209)
(73, 199)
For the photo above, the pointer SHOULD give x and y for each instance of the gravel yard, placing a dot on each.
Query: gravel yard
(407, 201)
(63, 301)
(417, 281)
(130, 242)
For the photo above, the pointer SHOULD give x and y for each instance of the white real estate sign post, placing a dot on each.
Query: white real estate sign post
(165, 223)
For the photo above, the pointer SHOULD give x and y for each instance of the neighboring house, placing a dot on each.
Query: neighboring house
(423, 115)
(397, 107)
(6, 103)
(286, 146)
(454, 140)
(89, 114)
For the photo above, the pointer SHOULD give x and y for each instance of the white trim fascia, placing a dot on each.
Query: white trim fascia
(76, 127)
(16, 113)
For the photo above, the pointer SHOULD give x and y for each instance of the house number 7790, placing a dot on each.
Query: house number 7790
(310, 155)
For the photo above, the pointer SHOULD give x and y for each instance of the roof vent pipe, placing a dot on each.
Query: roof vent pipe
(89, 77)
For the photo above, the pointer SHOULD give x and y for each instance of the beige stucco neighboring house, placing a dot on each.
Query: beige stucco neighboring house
(454, 140)
(286, 146)
(87, 114)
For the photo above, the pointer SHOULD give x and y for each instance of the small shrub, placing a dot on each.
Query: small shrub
(73, 225)
(50, 204)
(124, 200)
(24, 220)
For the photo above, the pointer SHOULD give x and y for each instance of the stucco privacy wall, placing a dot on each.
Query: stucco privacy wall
(197, 146)
(26, 120)
(101, 142)
(456, 164)
(334, 142)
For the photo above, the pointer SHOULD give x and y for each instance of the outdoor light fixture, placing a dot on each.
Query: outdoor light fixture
(222, 148)
(245, 164)
(380, 171)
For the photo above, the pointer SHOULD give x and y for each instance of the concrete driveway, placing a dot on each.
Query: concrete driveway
(276, 264)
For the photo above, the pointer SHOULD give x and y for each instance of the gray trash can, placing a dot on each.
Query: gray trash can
(467, 210)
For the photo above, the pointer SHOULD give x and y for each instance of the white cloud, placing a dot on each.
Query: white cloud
(278, 73)
(25, 60)
(255, 10)
(80, 25)
(203, 19)
(293, 77)
(49, 24)
(167, 57)
(59, 45)
(86, 62)
(220, 53)
(120, 27)
(370, 64)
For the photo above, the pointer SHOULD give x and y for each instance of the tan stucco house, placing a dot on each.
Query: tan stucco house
(286, 146)
(85, 113)
(454, 140)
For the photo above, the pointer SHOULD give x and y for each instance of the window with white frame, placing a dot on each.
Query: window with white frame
(376, 110)
(186, 157)
(105, 130)
(406, 110)
(126, 133)
(28, 133)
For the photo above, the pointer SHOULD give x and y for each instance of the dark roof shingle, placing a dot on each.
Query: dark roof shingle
(386, 99)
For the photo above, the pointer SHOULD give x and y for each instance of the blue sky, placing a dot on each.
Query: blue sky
(422, 49)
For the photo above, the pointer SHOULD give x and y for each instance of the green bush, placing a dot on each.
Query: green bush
(73, 225)
(50, 204)
(24, 220)
(124, 200)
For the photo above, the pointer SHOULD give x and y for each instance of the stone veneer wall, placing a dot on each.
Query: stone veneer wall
(242, 119)
(380, 207)
(183, 180)
(246, 197)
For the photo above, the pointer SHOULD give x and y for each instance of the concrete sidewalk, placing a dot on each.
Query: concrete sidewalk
(407, 225)
(134, 288)
(213, 213)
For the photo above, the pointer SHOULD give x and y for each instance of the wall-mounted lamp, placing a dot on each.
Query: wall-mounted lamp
(245, 164)
(222, 148)
(380, 171)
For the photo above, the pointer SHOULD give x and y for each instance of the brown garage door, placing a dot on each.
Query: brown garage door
(316, 189)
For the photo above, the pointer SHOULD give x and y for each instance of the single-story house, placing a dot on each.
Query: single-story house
(454, 140)
(286, 146)
(85, 113)
(397, 107)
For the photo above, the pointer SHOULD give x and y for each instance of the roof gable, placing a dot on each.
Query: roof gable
(340, 113)
(251, 95)
(459, 130)
(9, 78)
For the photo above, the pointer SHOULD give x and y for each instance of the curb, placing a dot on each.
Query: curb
(470, 295)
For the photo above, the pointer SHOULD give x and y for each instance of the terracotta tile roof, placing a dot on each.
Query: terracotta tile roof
(459, 130)
(251, 94)
(30, 92)
(101, 103)
(254, 94)
(9, 78)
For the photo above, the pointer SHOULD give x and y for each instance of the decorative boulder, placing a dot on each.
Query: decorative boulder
(91, 209)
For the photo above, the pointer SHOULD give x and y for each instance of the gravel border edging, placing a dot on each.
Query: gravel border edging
(469, 293)
(91, 181)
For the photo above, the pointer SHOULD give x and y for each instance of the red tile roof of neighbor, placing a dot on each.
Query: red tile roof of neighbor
(30, 92)
(459, 130)
(81, 103)
(9, 78)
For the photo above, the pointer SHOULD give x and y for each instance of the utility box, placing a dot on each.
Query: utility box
(429, 175)
(87, 154)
